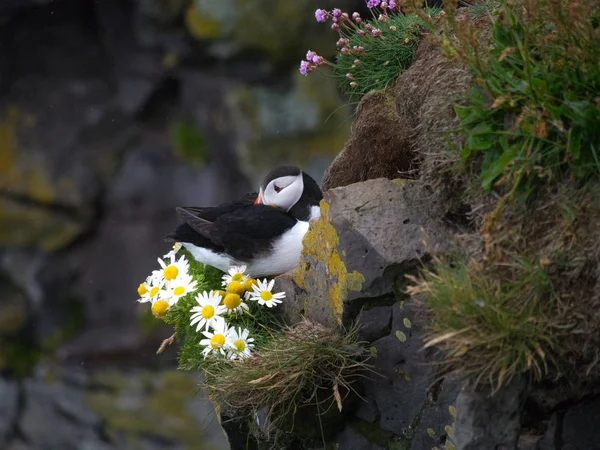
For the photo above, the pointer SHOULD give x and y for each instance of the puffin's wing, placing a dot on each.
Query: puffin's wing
(211, 213)
(249, 231)
(198, 224)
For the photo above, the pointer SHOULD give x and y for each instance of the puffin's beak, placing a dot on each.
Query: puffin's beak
(259, 199)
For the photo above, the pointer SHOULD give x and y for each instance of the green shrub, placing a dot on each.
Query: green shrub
(532, 117)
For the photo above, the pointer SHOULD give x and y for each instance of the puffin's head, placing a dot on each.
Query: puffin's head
(282, 188)
(289, 188)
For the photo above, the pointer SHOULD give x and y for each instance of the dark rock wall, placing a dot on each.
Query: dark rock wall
(112, 113)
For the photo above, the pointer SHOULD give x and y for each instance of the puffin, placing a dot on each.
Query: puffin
(262, 231)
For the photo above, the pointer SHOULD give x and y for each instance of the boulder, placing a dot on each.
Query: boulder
(368, 237)
(489, 420)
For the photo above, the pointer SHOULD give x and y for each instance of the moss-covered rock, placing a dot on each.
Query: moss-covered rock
(157, 404)
(354, 252)
(23, 224)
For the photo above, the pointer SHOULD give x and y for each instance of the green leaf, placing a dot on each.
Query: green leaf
(497, 167)
(574, 142)
(481, 137)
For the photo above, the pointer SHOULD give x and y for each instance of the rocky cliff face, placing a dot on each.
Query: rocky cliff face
(373, 233)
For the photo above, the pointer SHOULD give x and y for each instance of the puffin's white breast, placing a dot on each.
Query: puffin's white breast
(284, 255)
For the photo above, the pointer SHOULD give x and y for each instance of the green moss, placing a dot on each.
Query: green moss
(200, 24)
(384, 439)
(18, 357)
(188, 143)
(70, 323)
(27, 225)
(159, 409)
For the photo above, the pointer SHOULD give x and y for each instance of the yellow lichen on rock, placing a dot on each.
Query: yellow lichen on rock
(200, 25)
(26, 225)
(321, 250)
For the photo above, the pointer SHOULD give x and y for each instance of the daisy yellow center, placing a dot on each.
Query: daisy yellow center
(266, 295)
(217, 341)
(232, 301)
(249, 283)
(159, 308)
(142, 289)
(153, 291)
(171, 272)
(208, 311)
(235, 287)
(179, 290)
(237, 277)
(239, 345)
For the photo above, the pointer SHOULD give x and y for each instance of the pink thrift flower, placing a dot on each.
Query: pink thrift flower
(321, 15)
(305, 67)
(345, 50)
(356, 62)
(318, 60)
(336, 12)
(382, 18)
(349, 76)
(335, 27)
(392, 4)
(376, 32)
(310, 55)
(353, 84)
(373, 3)
(361, 32)
(341, 43)
(369, 27)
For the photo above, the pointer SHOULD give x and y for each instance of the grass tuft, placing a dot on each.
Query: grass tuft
(384, 57)
(492, 321)
(305, 365)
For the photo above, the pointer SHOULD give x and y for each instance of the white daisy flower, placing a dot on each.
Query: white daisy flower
(160, 306)
(150, 289)
(215, 342)
(181, 286)
(208, 313)
(238, 343)
(235, 273)
(263, 295)
(174, 268)
(233, 303)
(176, 247)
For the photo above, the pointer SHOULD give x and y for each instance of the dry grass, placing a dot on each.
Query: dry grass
(528, 299)
(307, 365)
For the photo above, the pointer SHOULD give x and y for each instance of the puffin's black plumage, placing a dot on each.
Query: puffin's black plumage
(243, 233)
(263, 230)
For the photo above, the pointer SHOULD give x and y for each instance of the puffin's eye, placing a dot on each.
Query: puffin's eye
(277, 188)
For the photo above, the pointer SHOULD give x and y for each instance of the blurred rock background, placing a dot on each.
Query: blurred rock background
(113, 112)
